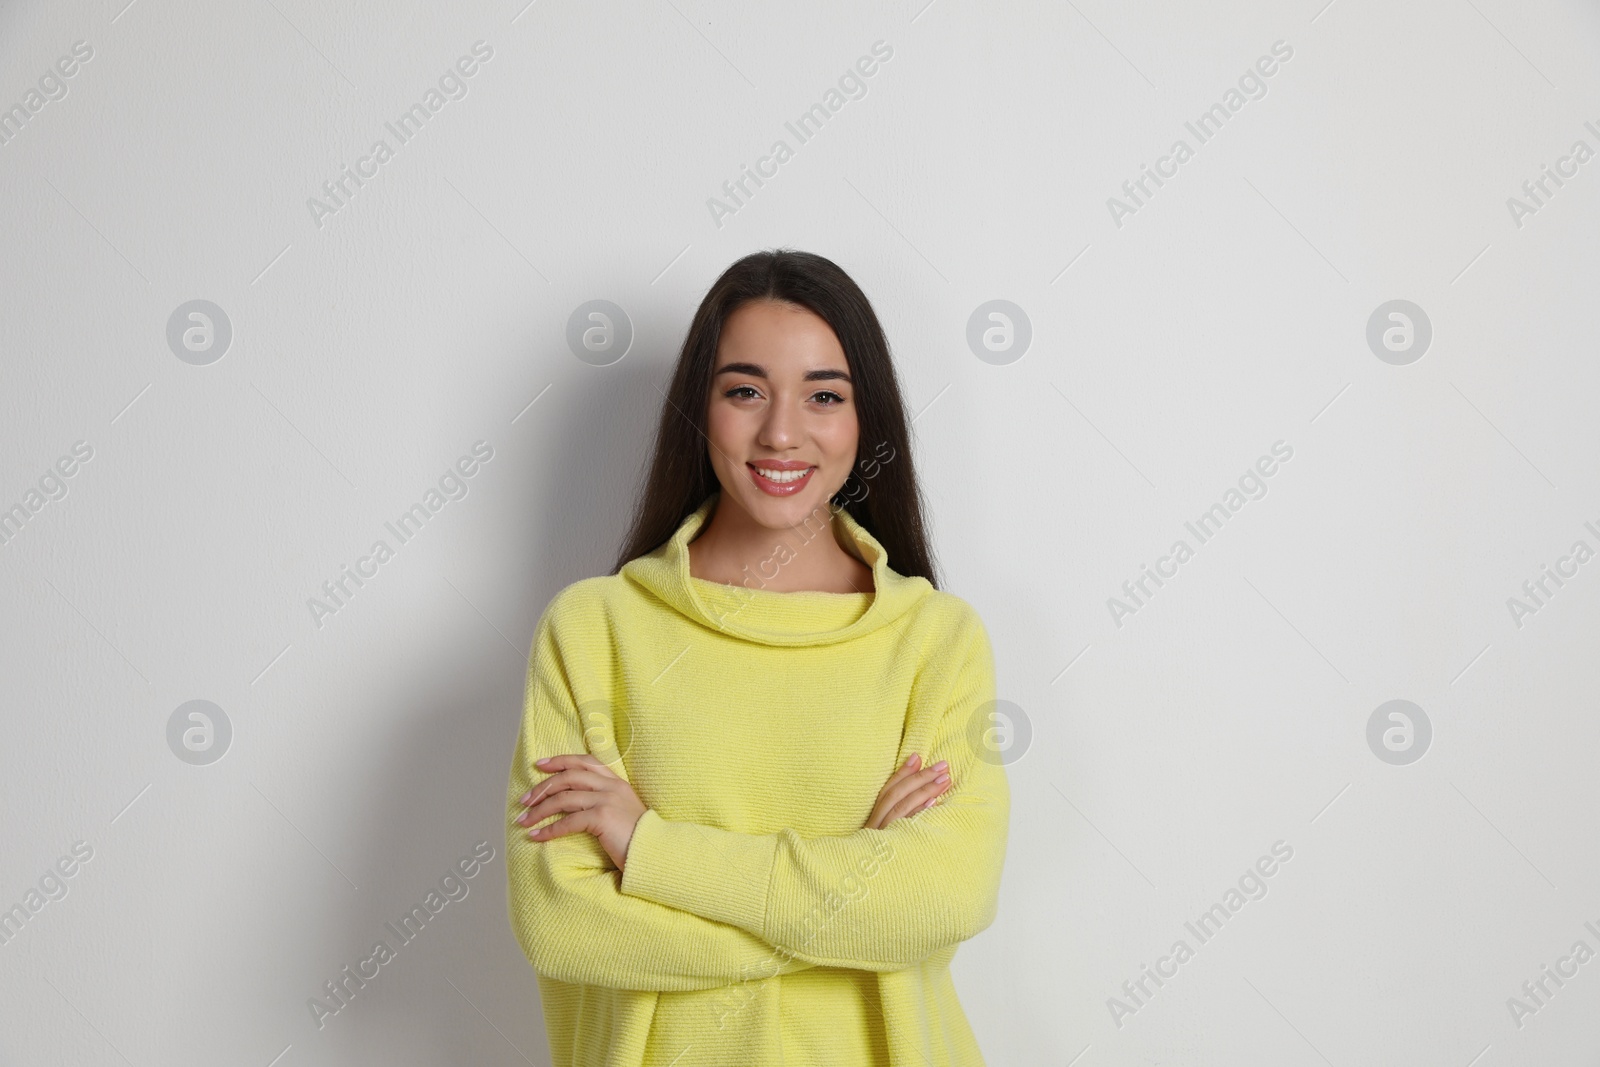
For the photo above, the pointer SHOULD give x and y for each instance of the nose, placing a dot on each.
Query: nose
(780, 429)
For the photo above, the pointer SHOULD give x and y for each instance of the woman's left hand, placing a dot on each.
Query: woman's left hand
(600, 802)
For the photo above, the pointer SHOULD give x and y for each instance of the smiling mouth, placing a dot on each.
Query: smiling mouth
(780, 482)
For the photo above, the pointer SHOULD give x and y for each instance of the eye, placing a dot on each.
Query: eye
(837, 399)
(742, 392)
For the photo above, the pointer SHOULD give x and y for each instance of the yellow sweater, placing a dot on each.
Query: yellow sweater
(756, 922)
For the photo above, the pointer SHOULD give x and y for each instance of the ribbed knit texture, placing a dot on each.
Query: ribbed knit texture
(757, 922)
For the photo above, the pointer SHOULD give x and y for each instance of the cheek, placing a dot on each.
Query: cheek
(727, 434)
(718, 427)
(840, 439)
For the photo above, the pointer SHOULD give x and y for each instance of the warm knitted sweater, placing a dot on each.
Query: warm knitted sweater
(756, 922)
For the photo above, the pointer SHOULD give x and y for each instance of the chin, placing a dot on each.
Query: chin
(784, 513)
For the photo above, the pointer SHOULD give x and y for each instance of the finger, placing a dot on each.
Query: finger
(577, 822)
(597, 765)
(564, 781)
(923, 773)
(935, 790)
(575, 762)
(553, 784)
(920, 797)
(577, 778)
(910, 766)
(571, 759)
(547, 765)
(561, 802)
(898, 791)
(880, 813)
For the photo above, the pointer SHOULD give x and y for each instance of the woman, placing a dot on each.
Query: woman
(723, 846)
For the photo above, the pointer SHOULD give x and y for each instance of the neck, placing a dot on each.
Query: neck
(735, 549)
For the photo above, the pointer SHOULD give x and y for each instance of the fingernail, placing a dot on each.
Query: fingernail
(526, 797)
(540, 762)
(942, 778)
(941, 765)
(929, 804)
(911, 759)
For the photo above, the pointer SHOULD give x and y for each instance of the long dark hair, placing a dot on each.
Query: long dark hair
(881, 493)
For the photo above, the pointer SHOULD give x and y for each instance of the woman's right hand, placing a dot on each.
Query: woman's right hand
(909, 791)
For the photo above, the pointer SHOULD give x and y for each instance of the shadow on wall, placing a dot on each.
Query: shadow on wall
(460, 989)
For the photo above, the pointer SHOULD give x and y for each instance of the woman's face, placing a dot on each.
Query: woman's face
(781, 404)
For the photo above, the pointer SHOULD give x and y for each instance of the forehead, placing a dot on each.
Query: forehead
(763, 331)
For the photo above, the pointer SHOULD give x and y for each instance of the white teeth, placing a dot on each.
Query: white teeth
(782, 476)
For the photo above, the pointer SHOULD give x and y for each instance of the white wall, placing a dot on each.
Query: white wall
(1171, 347)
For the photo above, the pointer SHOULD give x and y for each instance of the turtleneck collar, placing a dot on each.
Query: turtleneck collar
(765, 616)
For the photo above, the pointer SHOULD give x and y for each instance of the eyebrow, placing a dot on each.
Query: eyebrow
(755, 370)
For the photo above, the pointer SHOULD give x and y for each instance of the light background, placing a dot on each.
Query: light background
(1169, 352)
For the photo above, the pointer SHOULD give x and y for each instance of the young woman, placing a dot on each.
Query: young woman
(752, 811)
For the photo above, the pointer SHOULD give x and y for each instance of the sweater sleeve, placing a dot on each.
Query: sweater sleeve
(875, 899)
(570, 917)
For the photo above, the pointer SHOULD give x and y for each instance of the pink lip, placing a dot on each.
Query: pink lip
(773, 488)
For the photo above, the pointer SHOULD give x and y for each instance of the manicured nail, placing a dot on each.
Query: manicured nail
(526, 797)
(911, 759)
(929, 804)
(541, 762)
(941, 765)
(942, 778)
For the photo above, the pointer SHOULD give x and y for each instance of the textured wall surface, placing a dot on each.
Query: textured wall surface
(1252, 348)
